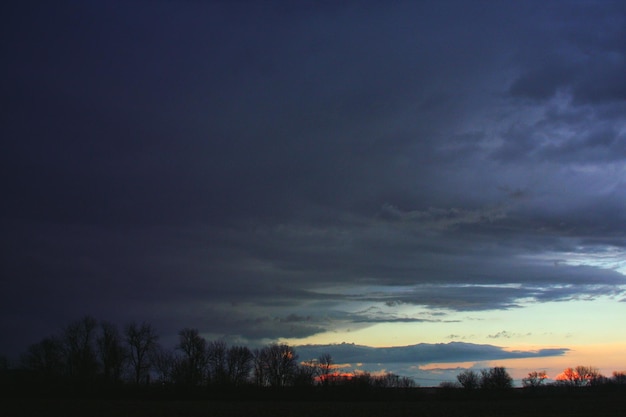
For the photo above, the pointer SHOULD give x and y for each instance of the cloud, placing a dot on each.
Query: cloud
(505, 335)
(439, 218)
(586, 60)
(267, 172)
(422, 353)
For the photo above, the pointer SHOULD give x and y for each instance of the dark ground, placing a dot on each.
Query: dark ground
(596, 405)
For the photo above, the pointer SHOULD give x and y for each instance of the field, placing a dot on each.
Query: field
(600, 405)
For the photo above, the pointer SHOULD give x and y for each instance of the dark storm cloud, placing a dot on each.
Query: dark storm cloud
(252, 169)
(585, 54)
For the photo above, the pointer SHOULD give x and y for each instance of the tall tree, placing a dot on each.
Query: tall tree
(46, 358)
(278, 364)
(141, 341)
(259, 365)
(325, 367)
(80, 354)
(217, 355)
(239, 364)
(193, 363)
(166, 365)
(111, 352)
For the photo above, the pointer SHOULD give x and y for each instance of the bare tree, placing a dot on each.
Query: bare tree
(239, 364)
(111, 352)
(78, 342)
(325, 367)
(496, 378)
(275, 365)
(589, 375)
(194, 361)
(259, 367)
(387, 380)
(534, 379)
(305, 373)
(45, 358)
(580, 376)
(142, 341)
(217, 355)
(469, 379)
(166, 365)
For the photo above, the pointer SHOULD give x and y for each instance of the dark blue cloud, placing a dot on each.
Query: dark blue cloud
(236, 167)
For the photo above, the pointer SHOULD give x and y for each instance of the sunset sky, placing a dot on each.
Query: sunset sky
(445, 178)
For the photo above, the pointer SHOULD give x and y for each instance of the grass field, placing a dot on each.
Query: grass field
(613, 405)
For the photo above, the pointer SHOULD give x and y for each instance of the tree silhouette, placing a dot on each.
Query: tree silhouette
(78, 343)
(239, 364)
(142, 342)
(166, 365)
(325, 367)
(580, 376)
(534, 379)
(45, 358)
(496, 378)
(111, 352)
(469, 379)
(193, 364)
(276, 365)
(217, 354)
(589, 374)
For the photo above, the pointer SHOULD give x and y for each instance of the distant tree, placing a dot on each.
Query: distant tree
(534, 379)
(590, 375)
(46, 358)
(239, 362)
(193, 363)
(391, 380)
(141, 341)
(361, 381)
(619, 377)
(449, 385)
(78, 342)
(407, 382)
(111, 352)
(496, 378)
(569, 377)
(469, 379)
(387, 380)
(579, 376)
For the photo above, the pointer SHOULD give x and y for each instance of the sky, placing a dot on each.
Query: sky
(412, 187)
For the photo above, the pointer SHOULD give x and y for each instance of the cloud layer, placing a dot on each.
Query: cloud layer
(272, 171)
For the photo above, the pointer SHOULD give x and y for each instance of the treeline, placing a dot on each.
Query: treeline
(498, 379)
(91, 356)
